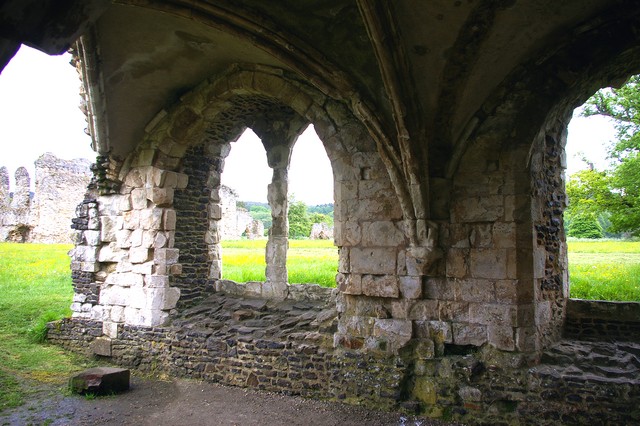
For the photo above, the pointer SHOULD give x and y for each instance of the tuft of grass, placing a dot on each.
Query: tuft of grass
(37, 333)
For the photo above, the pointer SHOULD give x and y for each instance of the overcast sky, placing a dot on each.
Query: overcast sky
(39, 113)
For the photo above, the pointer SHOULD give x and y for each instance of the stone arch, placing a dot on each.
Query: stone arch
(508, 192)
(184, 148)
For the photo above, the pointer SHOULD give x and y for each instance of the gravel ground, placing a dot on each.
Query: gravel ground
(188, 402)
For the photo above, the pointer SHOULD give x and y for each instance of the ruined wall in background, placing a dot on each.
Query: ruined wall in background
(236, 221)
(45, 217)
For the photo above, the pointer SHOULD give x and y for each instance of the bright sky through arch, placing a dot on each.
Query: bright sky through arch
(310, 175)
(39, 113)
(39, 99)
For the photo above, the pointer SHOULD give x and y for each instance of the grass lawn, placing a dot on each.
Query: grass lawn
(35, 287)
(604, 270)
(308, 261)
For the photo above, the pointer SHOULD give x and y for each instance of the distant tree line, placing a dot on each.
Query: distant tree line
(301, 217)
(607, 202)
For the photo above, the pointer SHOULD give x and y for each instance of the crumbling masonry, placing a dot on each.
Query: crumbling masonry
(445, 124)
(45, 217)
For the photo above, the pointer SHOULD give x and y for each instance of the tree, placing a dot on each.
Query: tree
(321, 218)
(299, 221)
(585, 225)
(622, 200)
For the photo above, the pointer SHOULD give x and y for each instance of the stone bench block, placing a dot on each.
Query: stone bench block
(100, 380)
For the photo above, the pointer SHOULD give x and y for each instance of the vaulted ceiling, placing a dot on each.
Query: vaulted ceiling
(428, 69)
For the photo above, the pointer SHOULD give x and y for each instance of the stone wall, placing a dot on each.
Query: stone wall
(45, 217)
(287, 347)
(452, 312)
(590, 319)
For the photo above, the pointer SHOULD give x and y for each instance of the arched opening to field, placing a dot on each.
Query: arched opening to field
(247, 216)
(604, 256)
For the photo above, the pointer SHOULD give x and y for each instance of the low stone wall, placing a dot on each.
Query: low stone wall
(599, 319)
(287, 347)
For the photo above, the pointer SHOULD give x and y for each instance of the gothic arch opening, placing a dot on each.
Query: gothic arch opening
(313, 257)
(600, 257)
(278, 128)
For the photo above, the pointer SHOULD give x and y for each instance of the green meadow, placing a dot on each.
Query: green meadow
(35, 287)
(308, 261)
(604, 270)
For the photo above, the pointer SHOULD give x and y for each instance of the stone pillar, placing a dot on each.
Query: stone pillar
(127, 244)
(278, 243)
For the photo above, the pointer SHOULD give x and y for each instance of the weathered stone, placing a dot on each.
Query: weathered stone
(139, 198)
(382, 233)
(380, 285)
(101, 346)
(47, 216)
(469, 334)
(138, 254)
(395, 332)
(488, 263)
(373, 261)
(411, 287)
(160, 196)
(100, 381)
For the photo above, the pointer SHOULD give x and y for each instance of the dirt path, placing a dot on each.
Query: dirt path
(188, 402)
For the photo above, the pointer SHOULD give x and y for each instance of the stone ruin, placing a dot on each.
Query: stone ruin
(445, 125)
(236, 222)
(321, 231)
(44, 216)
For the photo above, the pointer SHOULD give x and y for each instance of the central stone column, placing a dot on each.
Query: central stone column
(278, 243)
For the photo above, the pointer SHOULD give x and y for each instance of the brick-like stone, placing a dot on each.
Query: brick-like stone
(424, 310)
(476, 290)
(349, 283)
(380, 285)
(502, 337)
(488, 263)
(469, 334)
(382, 233)
(151, 218)
(169, 220)
(160, 196)
(457, 266)
(138, 255)
(411, 287)
(493, 314)
(166, 255)
(377, 261)
(139, 198)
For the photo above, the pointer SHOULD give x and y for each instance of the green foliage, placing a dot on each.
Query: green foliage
(622, 180)
(585, 225)
(37, 333)
(299, 221)
(326, 209)
(321, 218)
(302, 217)
(259, 211)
